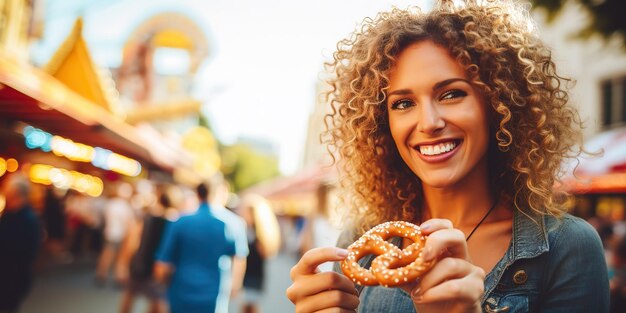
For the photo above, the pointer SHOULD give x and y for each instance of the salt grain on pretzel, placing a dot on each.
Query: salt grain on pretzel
(392, 266)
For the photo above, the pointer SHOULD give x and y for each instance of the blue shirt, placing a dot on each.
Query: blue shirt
(552, 265)
(237, 227)
(197, 246)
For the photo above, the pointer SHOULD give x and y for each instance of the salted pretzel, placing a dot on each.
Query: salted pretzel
(392, 266)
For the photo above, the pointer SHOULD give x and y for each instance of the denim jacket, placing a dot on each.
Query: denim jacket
(552, 265)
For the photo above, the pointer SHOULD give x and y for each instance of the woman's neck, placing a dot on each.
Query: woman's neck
(464, 204)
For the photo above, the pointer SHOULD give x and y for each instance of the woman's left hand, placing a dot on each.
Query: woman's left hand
(454, 284)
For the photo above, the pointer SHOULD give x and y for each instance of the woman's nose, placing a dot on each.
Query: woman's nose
(430, 120)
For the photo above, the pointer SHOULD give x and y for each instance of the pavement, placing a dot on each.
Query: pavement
(70, 288)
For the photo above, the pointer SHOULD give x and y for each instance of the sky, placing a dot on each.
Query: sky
(265, 56)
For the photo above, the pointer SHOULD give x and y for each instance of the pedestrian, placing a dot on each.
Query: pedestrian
(455, 119)
(231, 284)
(194, 259)
(20, 242)
(138, 256)
(618, 281)
(85, 223)
(320, 229)
(54, 220)
(263, 243)
(118, 216)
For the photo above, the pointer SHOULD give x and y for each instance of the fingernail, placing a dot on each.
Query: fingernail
(342, 253)
(425, 226)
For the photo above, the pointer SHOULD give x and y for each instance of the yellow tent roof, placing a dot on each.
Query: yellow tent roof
(72, 65)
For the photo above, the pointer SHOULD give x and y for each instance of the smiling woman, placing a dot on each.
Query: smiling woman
(437, 119)
(456, 120)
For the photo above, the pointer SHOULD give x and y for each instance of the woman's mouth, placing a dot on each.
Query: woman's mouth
(437, 149)
(438, 152)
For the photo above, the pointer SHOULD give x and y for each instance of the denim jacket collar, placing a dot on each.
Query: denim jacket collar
(530, 237)
(529, 240)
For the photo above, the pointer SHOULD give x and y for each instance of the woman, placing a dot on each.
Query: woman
(456, 120)
(137, 257)
(320, 229)
(263, 243)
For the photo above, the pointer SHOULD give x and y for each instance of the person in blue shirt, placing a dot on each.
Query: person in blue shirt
(194, 259)
(231, 284)
(455, 119)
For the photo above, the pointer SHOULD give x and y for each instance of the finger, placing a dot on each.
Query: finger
(313, 258)
(444, 270)
(446, 243)
(336, 310)
(468, 289)
(435, 224)
(326, 300)
(305, 286)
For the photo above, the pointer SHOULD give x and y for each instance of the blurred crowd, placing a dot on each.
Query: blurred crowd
(124, 233)
(612, 232)
(123, 230)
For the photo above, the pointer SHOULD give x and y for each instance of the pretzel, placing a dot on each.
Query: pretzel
(392, 266)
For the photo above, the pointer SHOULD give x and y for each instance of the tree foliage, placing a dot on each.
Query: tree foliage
(606, 16)
(243, 166)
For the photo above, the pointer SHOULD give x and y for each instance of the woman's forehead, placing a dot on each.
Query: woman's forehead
(424, 60)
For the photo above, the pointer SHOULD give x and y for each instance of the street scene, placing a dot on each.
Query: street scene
(70, 288)
(184, 156)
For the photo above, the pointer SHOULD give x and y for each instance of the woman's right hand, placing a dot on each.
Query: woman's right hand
(454, 284)
(315, 291)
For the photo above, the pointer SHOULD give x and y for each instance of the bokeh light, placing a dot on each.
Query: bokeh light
(3, 166)
(66, 179)
(63, 147)
(12, 165)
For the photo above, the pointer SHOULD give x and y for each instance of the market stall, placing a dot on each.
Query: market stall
(599, 180)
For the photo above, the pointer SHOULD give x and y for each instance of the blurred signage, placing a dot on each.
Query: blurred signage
(101, 158)
(66, 179)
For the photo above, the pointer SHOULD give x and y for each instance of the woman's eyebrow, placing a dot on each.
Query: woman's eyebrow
(437, 86)
(401, 92)
(446, 82)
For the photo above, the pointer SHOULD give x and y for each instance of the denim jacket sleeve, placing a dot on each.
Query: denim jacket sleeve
(576, 278)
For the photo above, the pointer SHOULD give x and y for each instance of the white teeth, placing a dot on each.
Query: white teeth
(438, 148)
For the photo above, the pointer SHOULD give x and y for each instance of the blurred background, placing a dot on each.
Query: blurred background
(162, 95)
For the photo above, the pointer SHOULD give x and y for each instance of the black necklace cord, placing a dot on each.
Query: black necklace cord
(482, 220)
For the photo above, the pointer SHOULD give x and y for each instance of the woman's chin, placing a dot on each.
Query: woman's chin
(439, 180)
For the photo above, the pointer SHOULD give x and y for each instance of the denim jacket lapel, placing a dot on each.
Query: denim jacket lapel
(529, 239)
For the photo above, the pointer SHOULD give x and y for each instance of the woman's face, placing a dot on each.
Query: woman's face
(437, 118)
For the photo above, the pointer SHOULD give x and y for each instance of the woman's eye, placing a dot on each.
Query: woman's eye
(401, 104)
(453, 94)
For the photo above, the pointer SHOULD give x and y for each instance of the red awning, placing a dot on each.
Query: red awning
(604, 173)
(612, 144)
(304, 182)
(34, 97)
(296, 194)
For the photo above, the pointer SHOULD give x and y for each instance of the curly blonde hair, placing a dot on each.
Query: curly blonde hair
(532, 127)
